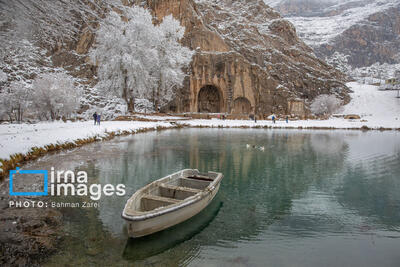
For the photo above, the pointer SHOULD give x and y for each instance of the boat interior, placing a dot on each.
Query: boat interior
(174, 189)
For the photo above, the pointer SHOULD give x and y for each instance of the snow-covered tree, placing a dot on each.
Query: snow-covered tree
(54, 95)
(173, 57)
(325, 105)
(14, 100)
(137, 59)
(340, 62)
(126, 54)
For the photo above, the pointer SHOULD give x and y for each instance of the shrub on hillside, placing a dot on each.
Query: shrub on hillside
(325, 105)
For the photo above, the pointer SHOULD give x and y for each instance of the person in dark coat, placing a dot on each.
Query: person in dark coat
(95, 118)
(98, 119)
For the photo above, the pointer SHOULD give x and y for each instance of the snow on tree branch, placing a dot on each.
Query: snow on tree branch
(54, 95)
(137, 59)
(14, 101)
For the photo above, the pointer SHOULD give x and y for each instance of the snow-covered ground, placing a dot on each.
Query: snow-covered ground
(20, 138)
(376, 108)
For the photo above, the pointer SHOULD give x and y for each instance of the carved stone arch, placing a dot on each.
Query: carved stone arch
(241, 105)
(209, 99)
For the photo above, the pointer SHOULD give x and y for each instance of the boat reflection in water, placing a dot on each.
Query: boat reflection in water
(151, 245)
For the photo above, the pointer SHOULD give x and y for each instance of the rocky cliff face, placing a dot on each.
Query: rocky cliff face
(248, 59)
(375, 39)
(366, 31)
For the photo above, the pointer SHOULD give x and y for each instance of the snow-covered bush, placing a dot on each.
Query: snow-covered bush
(144, 106)
(325, 105)
(54, 95)
(340, 62)
(14, 101)
(137, 59)
(6, 106)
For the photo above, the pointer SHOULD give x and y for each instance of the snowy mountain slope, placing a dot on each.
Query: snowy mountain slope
(332, 19)
(360, 33)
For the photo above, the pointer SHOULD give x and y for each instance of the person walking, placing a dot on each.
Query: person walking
(273, 119)
(95, 118)
(98, 119)
(287, 119)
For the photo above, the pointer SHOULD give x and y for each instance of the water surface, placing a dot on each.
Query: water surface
(312, 198)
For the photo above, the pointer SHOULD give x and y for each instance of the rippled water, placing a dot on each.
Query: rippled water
(312, 198)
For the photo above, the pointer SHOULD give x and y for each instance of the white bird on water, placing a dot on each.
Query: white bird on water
(262, 148)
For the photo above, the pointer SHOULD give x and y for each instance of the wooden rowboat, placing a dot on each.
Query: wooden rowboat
(169, 201)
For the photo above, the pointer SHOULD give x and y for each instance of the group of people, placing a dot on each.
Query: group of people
(273, 118)
(97, 118)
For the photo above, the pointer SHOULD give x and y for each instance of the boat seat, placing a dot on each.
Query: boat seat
(200, 177)
(177, 192)
(193, 183)
(151, 202)
(171, 186)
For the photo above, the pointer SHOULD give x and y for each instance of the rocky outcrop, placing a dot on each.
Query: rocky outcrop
(245, 53)
(366, 31)
(248, 59)
(375, 39)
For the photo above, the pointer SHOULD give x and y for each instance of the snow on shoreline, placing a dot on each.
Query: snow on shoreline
(20, 138)
(333, 123)
(377, 110)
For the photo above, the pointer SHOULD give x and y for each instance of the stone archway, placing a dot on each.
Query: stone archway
(209, 100)
(241, 105)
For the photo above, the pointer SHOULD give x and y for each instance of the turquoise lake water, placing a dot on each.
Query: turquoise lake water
(312, 198)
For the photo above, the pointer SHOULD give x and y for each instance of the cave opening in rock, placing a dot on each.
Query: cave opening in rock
(241, 105)
(209, 100)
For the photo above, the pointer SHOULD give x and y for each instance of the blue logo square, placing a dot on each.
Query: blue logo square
(45, 185)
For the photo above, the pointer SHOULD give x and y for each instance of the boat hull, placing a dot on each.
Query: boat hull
(139, 228)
